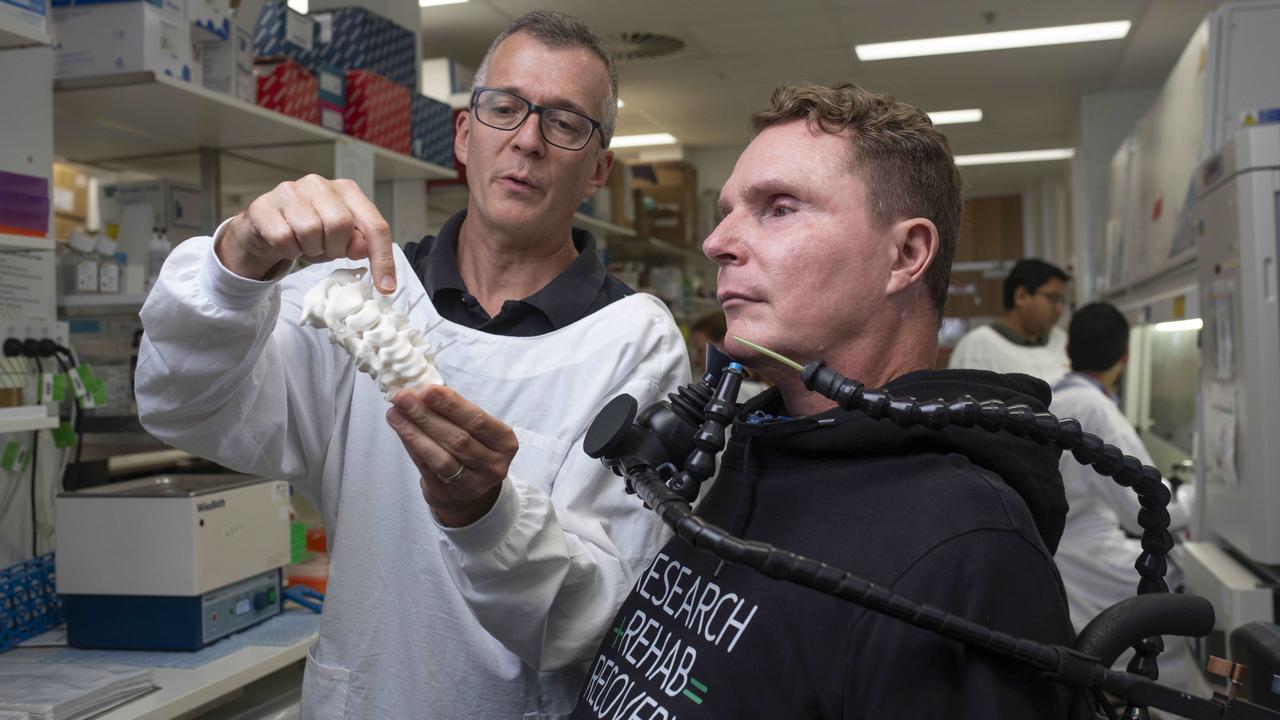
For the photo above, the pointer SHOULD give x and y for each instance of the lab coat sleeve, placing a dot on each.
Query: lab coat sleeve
(1114, 429)
(225, 374)
(545, 575)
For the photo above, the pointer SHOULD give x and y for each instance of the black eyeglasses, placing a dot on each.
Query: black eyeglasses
(563, 128)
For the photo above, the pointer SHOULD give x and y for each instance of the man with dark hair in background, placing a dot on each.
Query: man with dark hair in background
(836, 233)
(1095, 556)
(1025, 338)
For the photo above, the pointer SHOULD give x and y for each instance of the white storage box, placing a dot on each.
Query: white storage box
(117, 37)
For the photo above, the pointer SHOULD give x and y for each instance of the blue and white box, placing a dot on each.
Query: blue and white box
(282, 33)
(210, 18)
(25, 17)
(228, 65)
(357, 39)
(432, 128)
(96, 37)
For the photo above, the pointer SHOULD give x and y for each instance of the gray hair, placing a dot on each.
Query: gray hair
(557, 30)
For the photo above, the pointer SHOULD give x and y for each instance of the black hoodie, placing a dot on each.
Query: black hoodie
(942, 518)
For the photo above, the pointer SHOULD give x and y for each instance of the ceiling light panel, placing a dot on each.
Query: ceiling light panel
(954, 117)
(1009, 39)
(626, 141)
(1020, 156)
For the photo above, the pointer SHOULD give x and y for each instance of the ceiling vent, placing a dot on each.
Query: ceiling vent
(643, 46)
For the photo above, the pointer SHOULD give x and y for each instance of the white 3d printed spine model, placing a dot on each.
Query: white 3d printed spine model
(378, 338)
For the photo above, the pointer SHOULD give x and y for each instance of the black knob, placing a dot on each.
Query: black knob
(610, 427)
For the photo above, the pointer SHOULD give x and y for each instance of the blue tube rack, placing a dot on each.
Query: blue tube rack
(29, 602)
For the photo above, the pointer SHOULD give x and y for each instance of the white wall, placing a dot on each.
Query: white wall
(1105, 120)
(1046, 222)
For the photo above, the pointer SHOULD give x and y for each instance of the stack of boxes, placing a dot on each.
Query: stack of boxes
(347, 69)
(364, 66)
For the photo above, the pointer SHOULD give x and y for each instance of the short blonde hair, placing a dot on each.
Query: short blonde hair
(903, 160)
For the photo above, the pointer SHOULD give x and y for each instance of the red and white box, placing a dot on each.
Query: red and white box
(289, 88)
(377, 110)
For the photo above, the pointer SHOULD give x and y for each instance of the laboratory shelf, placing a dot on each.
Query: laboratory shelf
(26, 418)
(22, 242)
(104, 300)
(601, 227)
(111, 120)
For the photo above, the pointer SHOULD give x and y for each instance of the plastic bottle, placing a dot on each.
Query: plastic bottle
(108, 264)
(78, 265)
(157, 250)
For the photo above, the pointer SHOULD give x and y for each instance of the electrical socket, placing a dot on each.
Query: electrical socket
(36, 329)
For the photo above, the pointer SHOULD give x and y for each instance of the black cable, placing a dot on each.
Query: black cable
(35, 449)
(1064, 665)
(78, 426)
(75, 399)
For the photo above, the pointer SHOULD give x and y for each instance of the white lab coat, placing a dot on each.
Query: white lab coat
(413, 609)
(985, 349)
(1095, 556)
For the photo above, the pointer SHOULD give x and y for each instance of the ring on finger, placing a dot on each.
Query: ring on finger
(457, 475)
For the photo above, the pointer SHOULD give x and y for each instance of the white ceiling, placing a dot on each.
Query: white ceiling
(738, 50)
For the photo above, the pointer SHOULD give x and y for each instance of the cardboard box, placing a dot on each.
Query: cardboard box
(378, 110)
(667, 201)
(432, 131)
(228, 65)
(289, 88)
(357, 39)
(178, 208)
(210, 18)
(282, 33)
(70, 192)
(63, 226)
(96, 38)
(671, 173)
(29, 16)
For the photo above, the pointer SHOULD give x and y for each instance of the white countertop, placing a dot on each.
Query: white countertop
(183, 690)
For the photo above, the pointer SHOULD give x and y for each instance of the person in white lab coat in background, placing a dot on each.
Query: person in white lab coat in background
(1025, 339)
(486, 600)
(1095, 556)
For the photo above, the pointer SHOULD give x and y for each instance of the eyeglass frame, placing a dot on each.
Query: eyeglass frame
(1054, 299)
(531, 108)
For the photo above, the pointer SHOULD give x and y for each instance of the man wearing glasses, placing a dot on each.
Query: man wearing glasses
(486, 600)
(1025, 339)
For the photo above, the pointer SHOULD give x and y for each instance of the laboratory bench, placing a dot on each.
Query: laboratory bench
(212, 688)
